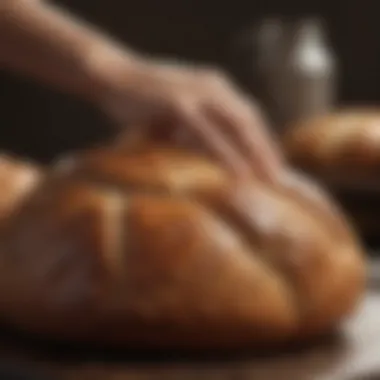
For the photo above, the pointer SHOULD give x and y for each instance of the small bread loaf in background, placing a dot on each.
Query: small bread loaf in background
(343, 146)
(342, 150)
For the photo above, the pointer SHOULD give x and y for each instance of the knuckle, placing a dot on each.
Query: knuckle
(216, 76)
(183, 105)
(249, 105)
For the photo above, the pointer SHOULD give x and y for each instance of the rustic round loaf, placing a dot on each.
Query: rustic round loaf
(17, 179)
(343, 146)
(159, 248)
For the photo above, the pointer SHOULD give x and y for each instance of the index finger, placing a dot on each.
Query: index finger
(217, 144)
(246, 127)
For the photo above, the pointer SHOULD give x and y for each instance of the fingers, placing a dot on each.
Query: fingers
(247, 130)
(215, 142)
(206, 103)
(242, 121)
(236, 135)
(265, 135)
(233, 123)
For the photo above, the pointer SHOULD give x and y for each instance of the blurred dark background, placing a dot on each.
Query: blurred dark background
(43, 124)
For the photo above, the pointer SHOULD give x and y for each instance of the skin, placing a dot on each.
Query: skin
(46, 43)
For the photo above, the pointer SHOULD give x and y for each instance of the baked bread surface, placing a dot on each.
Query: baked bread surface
(158, 247)
(344, 145)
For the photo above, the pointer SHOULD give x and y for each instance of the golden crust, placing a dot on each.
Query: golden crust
(345, 144)
(161, 248)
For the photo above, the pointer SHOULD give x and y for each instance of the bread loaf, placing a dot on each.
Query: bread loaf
(344, 145)
(159, 248)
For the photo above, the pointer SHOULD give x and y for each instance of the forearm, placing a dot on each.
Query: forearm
(42, 41)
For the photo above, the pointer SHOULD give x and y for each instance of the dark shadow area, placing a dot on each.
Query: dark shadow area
(17, 342)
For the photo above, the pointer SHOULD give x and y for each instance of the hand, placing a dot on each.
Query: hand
(202, 102)
(54, 47)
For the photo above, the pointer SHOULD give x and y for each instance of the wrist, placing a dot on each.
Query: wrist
(109, 69)
(46, 42)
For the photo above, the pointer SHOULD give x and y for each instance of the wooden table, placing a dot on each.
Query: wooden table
(355, 356)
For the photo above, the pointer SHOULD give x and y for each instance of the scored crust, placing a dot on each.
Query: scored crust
(157, 247)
